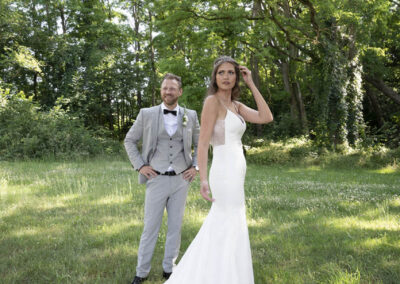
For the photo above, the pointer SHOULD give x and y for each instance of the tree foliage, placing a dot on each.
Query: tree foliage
(328, 69)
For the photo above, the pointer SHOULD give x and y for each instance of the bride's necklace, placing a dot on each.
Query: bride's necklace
(228, 106)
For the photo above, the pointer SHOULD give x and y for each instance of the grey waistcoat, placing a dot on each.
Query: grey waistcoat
(169, 150)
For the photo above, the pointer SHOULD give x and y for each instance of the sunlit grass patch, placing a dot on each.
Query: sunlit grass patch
(389, 169)
(322, 218)
(80, 222)
(109, 228)
(365, 222)
(312, 168)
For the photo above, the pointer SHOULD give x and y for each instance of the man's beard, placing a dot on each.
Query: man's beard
(170, 102)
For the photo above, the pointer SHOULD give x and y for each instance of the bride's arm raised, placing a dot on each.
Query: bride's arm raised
(209, 116)
(263, 113)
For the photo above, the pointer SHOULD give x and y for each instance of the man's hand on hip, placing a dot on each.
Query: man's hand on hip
(148, 172)
(190, 174)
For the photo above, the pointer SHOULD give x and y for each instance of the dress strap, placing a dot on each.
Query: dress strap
(237, 112)
(236, 108)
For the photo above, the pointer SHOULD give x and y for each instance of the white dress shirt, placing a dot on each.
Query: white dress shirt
(170, 120)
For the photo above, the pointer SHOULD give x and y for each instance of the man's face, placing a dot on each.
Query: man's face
(170, 92)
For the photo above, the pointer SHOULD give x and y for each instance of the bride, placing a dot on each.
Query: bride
(220, 253)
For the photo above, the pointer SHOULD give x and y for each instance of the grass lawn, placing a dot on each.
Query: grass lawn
(80, 222)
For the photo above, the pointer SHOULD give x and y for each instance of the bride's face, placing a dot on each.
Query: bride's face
(226, 76)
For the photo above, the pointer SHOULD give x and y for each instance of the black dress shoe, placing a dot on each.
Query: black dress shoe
(166, 275)
(138, 280)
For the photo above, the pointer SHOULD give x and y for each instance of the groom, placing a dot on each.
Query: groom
(166, 166)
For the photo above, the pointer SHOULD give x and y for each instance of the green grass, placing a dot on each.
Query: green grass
(80, 222)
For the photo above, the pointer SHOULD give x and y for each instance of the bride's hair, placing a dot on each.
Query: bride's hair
(213, 88)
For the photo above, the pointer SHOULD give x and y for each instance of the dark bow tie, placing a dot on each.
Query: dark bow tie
(167, 111)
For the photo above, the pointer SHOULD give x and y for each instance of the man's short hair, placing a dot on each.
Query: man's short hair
(170, 76)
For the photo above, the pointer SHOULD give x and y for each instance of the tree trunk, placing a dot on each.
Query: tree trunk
(285, 77)
(381, 86)
(375, 105)
(137, 48)
(119, 117)
(297, 109)
(288, 88)
(355, 95)
(48, 19)
(123, 122)
(256, 78)
(267, 83)
(301, 108)
(286, 70)
(153, 68)
(35, 85)
(63, 22)
(110, 117)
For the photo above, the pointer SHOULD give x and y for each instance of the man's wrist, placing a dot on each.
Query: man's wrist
(141, 167)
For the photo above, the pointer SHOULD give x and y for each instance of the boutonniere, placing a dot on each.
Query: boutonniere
(185, 117)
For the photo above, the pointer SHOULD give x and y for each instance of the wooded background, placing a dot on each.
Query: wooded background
(330, 70)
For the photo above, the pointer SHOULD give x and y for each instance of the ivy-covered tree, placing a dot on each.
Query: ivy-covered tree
(327, 68)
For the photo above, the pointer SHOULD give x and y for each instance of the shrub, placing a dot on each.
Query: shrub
(26, 132)
(301, 151)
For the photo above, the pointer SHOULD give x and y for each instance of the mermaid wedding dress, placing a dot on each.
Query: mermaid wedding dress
(220, 253)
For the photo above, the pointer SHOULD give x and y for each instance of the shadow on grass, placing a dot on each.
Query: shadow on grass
(315, 228)
(81, 223)
(76, 225)
(73, 243)
(315, 252)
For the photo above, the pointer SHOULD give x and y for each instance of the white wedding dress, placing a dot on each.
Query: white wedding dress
(220, 252)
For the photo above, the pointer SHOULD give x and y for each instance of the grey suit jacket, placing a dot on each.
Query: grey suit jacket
(145, 129)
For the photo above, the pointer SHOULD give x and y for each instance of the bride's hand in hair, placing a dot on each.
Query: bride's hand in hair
(246, 74)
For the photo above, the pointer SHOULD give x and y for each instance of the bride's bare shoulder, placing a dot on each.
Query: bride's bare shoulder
(211, 108)
(211, 103)
(211, 98)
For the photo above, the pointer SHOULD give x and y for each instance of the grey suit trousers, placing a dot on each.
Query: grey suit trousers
(168, 192)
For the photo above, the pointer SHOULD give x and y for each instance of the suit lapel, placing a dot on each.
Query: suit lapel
(184, 128)
(180, 116)
(155, 124)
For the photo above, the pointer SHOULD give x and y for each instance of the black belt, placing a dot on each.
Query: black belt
(170, 173)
